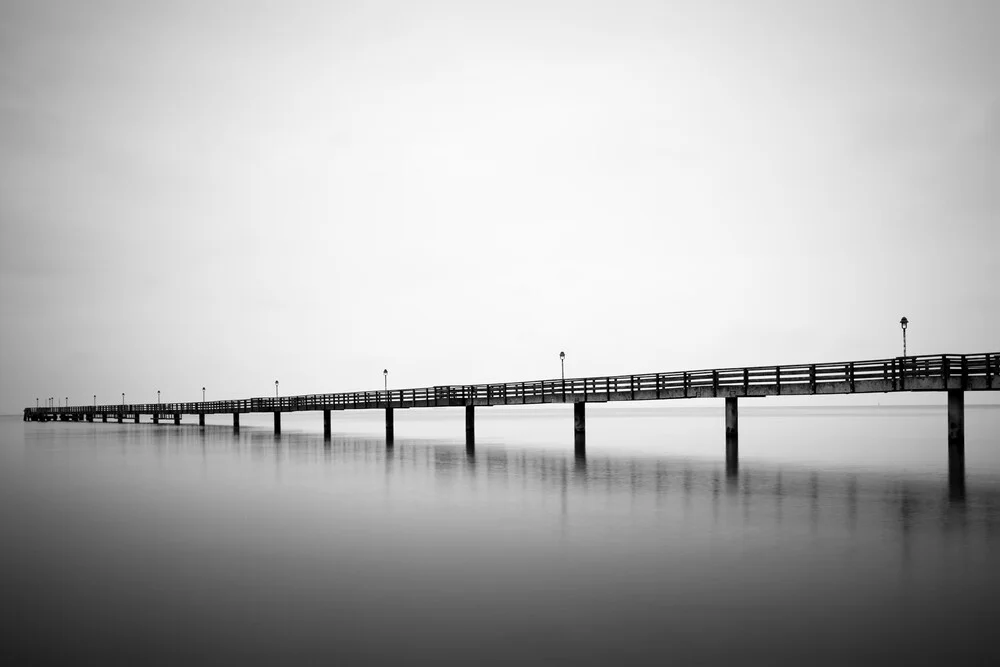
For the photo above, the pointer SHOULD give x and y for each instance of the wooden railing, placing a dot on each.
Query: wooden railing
(896, 372)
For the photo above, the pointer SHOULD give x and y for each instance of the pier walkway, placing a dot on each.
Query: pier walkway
(952, 373)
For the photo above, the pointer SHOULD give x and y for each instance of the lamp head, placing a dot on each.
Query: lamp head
(562, 355)
(903, 322)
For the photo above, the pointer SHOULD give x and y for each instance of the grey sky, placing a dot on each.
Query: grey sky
(229, 193)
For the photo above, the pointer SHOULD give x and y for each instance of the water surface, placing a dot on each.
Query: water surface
(840, 539)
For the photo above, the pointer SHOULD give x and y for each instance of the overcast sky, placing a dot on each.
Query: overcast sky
(228, 193)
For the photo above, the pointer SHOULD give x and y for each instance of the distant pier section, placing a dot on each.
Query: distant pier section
(951, 373)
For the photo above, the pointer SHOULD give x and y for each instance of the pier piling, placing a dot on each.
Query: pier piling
(732, 433)
(956, 429)
(470, 426)
(580, 428)
(326, 424)
(388, 425)
(236, 422)
(277, 423)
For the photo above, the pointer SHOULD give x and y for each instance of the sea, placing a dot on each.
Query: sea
(842, 537)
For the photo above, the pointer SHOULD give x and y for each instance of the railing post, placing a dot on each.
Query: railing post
(965, 373)
(850, 375)
(715, 383)
(685, 382)
(746, 381)
(812, 378)
(659, 383)
(945, 371)
(777, 378)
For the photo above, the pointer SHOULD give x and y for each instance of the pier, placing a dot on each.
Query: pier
(951, 373)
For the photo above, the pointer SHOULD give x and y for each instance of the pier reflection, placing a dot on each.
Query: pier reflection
(715, 494)
(761, 491)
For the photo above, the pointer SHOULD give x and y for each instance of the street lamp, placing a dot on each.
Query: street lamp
(385, 378)
(562, 364)
(123, 399)
(902, 323)
(67, 401)
(157, 396)
(276, 389)
(95, 401)
(36, 402)
(202, 394)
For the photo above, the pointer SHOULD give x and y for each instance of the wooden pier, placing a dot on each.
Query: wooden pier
(952, 373)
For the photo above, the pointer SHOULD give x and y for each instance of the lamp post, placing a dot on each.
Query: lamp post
(385, 379)
(276, 389)
(123, 399)
(36, 402)
(95, 401)
(202, 394)
(562, 364)
(67, 401)
(902, 323)
(157, 396)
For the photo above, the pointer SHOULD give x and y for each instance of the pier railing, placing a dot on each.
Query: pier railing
(912, 373)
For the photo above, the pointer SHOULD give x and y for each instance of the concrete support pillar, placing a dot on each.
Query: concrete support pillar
(121, 417)
(389, 436)
(177, 418)
(156, 418)
(137, 418)
(956, 430)
(580, 428)
(470, 426)
(201, 419)
(236, 422)
(327, 431)
(104, 417)
(732, 434)
(277, 423)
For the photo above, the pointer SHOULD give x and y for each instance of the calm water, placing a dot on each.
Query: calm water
(840, 540)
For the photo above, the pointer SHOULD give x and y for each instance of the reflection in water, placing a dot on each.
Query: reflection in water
(252, 548)
(570, 474)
